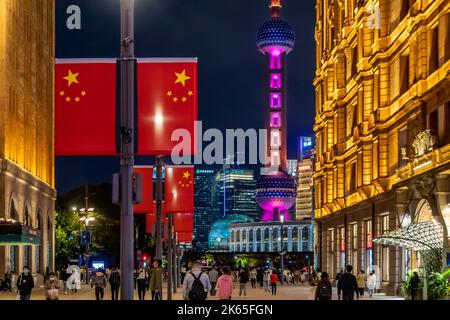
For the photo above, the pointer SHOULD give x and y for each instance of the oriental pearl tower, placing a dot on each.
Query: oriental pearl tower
(276, 190)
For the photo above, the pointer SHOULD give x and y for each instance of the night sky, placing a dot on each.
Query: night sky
(231, 71)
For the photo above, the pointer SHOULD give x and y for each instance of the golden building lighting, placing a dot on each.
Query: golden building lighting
(382, 130)
(27, 193)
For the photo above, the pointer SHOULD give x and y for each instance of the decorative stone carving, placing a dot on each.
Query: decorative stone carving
(424, 142)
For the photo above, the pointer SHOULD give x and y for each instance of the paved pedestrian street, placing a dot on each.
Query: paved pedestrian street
(285, 292)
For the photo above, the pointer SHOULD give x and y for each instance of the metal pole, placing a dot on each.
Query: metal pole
(169, 258)
(159, 198)
(127, 60)
(175, 262)
(178, 266)
(282, 255)
(86, 208)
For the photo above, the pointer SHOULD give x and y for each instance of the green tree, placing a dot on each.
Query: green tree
(67, 235)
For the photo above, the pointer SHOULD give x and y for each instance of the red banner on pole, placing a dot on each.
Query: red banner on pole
(85, 107)
(146, 204)
(167, 101)
(183, 222)
(179, 189)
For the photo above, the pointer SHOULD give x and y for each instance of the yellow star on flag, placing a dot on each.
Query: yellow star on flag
(182, 78)
(77, 99)
(62, 93)
(184, 99)
(190, 93)
(68, 99)
(71, 78)
(169, 93)
(186, 175)
(83, 93)
(175, 99)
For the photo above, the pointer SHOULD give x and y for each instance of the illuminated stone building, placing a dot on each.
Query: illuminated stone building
(382, 130)
(27, 194)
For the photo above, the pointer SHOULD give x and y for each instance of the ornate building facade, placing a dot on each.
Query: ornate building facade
(382, 130)
(27, 194)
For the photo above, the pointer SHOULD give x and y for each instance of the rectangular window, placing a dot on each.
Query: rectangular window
(402, 146)
(404, 73)
(275, 119)
(275, 81)
(275, 100)
(354, 61)
(433, 59)
(352, 186)
(275, 62)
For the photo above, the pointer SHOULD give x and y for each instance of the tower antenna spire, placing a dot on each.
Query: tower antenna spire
(275, 8)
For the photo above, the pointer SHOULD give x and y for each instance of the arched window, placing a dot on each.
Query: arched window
(305, 235)
(26, 218)
(13, 212)
(294, 234)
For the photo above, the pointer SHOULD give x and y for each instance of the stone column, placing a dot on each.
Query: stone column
(442, 193)
(255, 231)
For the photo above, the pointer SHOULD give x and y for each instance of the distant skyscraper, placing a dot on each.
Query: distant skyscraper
(292, 167)
(304, 201)
(304, 147)
(203, 213)
(239, 196)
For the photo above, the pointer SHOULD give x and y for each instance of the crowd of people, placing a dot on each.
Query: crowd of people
(199, 282)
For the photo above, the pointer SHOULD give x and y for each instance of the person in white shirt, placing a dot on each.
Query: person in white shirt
(371, 283)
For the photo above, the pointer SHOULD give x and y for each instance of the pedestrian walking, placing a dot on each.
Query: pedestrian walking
(196, 284)
(74, 282)
(371, 283)
(347, 285)
(302, 278)
(225, 285)
(156, 280)
(243, 279)
(51, 287)
(361, 279)
(260, 277)
(313, 282)
(266, 278)
(7, 281)
(324, 289)
(213, 277)
(273, 282)
(114, 281)
(141, 282)
(338, 276)
(414, 283)
(99, 282)
(25, 284)
(253, 275)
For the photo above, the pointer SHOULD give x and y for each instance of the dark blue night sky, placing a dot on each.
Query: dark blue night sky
(232, 72)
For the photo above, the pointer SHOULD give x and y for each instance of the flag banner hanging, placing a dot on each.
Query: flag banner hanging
(179, 189)
(184, 237)
(85, 107)
(183, 222)
(146, 204)
(150, 222)
(167, 101)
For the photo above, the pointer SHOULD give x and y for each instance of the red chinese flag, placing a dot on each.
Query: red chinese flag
(183, 222)
(167, 101)
(146, 204)
(150, 221)
(85, 100)
(179, 189)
